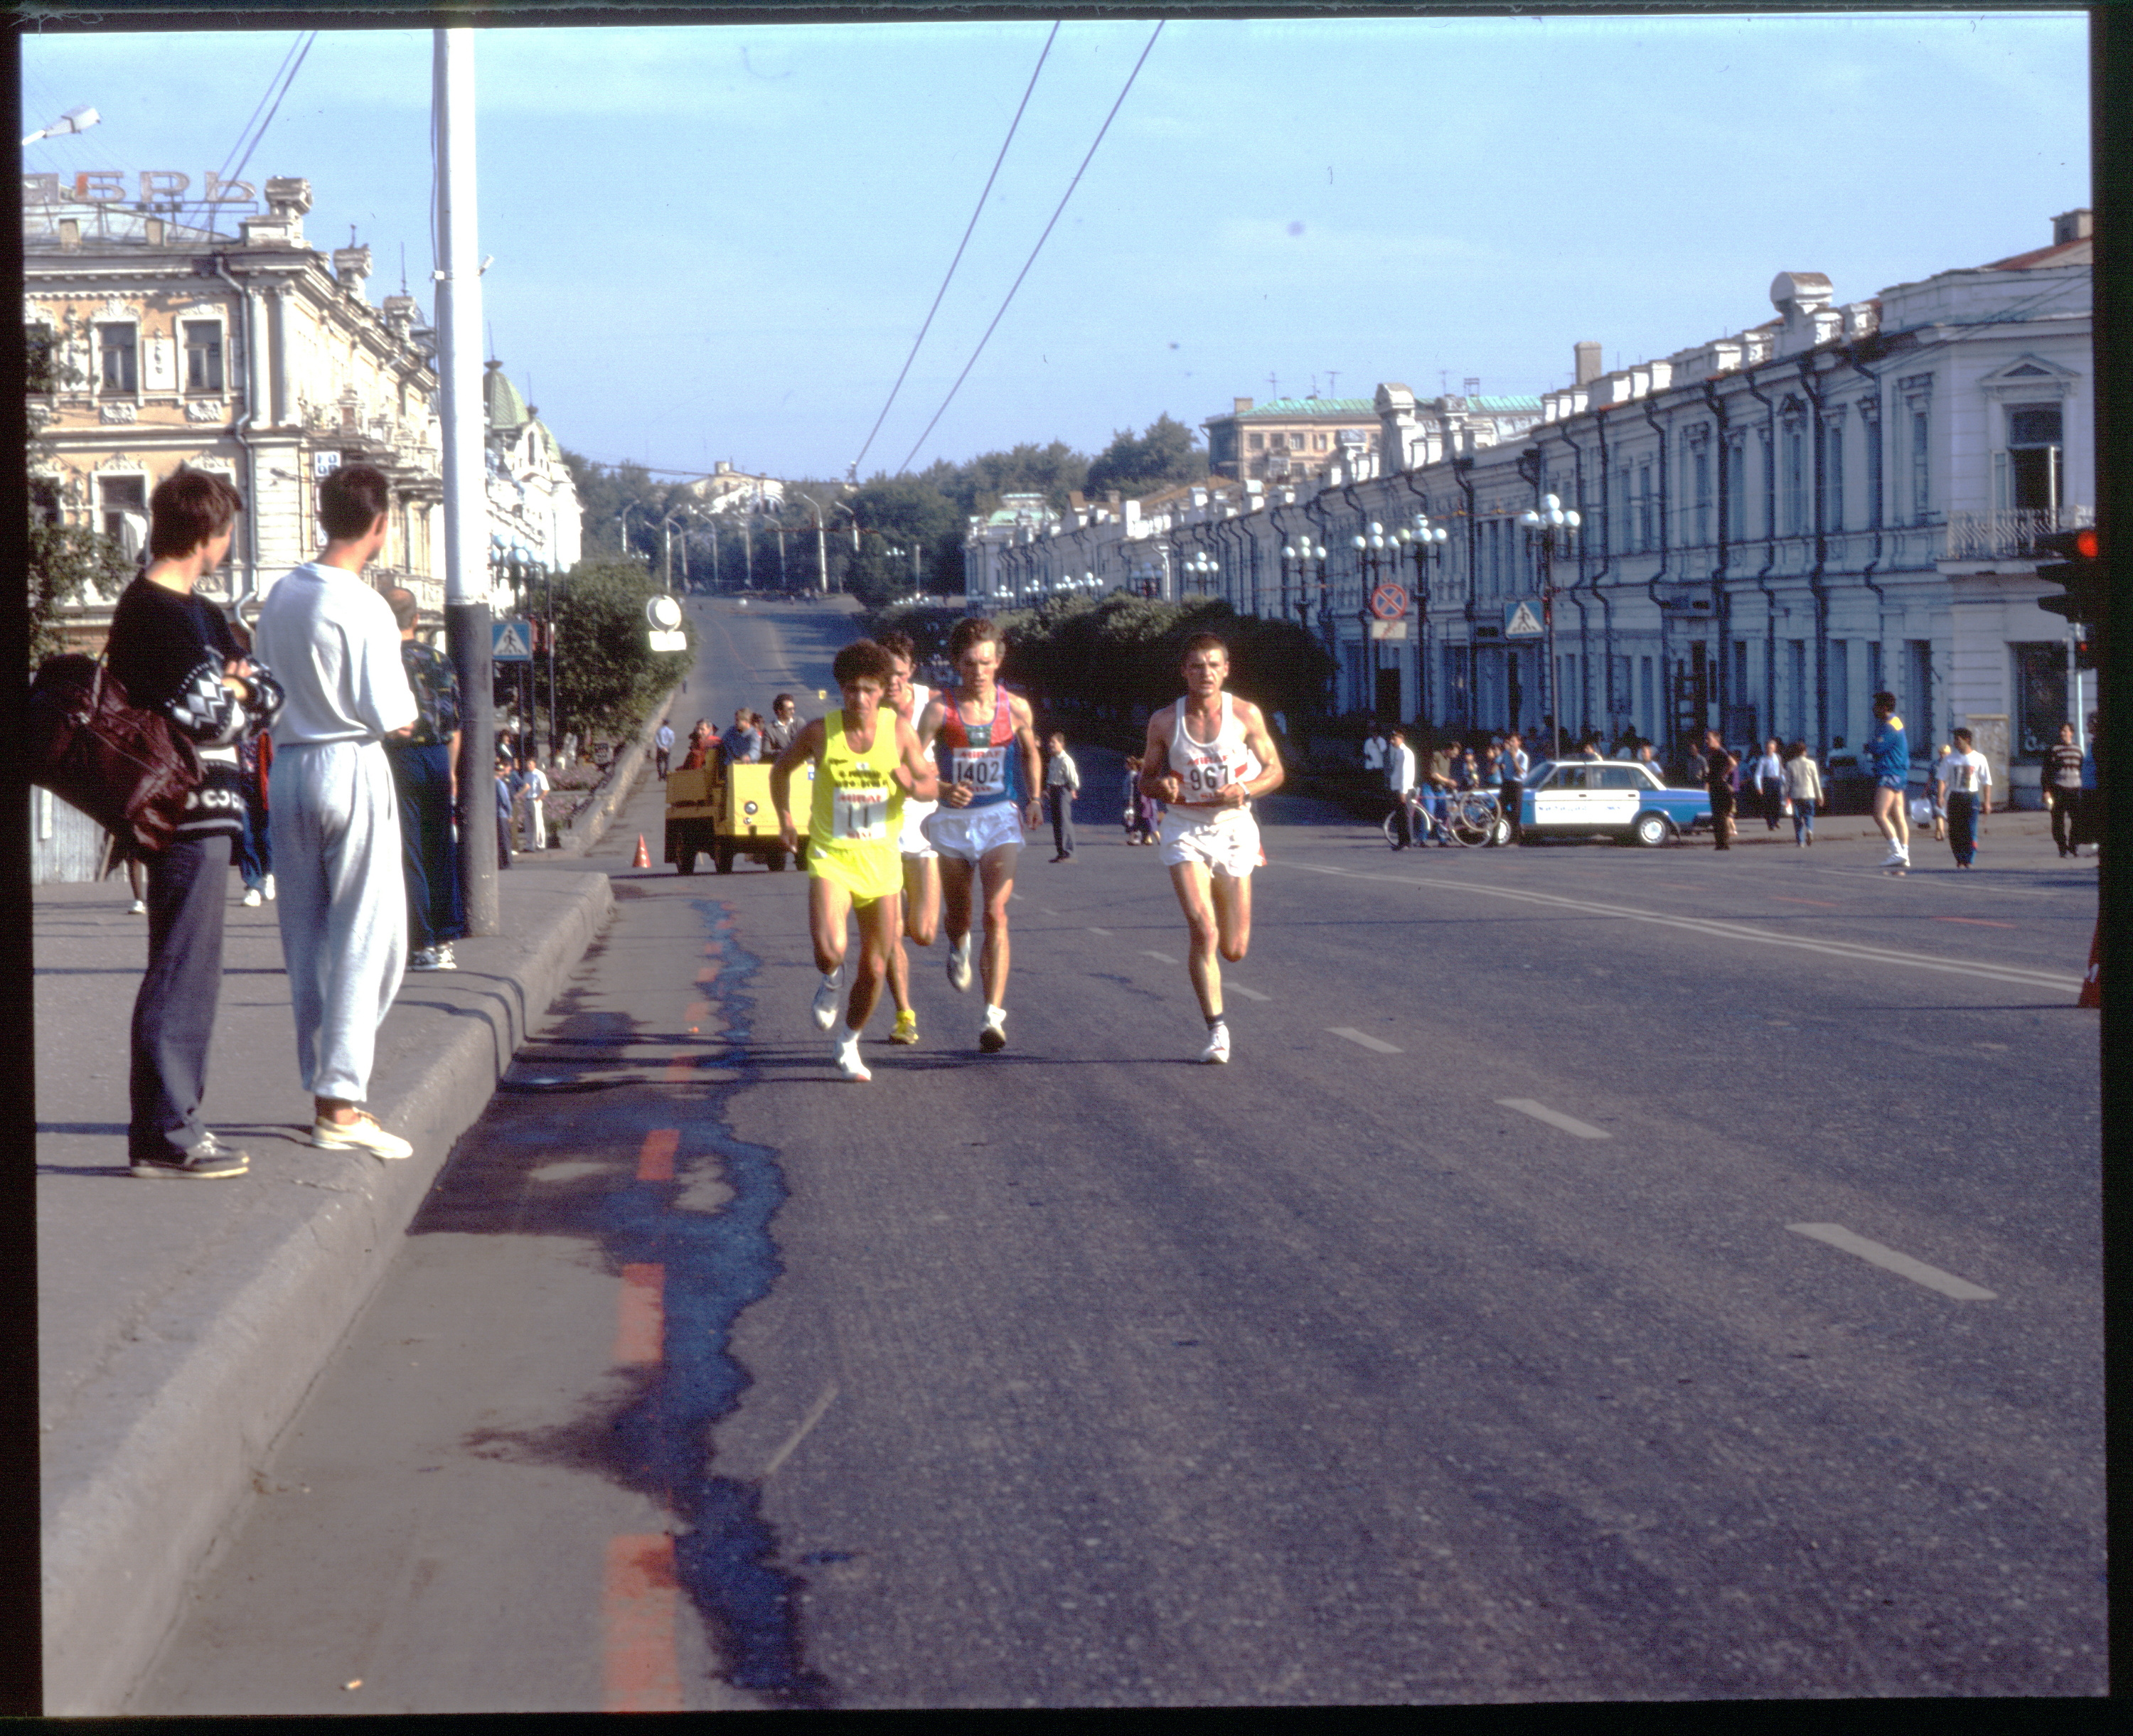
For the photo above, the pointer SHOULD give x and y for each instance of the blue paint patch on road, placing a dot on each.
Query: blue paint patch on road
(717, 1264)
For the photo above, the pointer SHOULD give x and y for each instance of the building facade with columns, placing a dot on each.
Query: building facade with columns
(256, 355)
(1777, 523)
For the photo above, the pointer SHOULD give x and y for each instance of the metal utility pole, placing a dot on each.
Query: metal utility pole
(466, 496)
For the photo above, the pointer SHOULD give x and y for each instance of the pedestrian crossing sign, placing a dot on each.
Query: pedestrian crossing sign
(1521, 622)
(509, 642)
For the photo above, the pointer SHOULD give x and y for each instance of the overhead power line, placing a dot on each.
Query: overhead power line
(1034, 252)
(852, 472)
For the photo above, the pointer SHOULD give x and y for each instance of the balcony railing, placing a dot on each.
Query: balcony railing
(2012, 535)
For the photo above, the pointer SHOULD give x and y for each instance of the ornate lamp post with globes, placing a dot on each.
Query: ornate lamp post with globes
(1300, 557)
(1426, 542)
(1550, 528)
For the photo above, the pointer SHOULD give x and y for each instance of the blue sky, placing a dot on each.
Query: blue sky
(719, 241)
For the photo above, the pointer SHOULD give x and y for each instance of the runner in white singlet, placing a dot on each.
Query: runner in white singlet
(1209, 755)
(922, 869)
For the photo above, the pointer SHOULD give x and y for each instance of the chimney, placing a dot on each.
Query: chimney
(2073, 226)
(1587, 355)
(1240, 406)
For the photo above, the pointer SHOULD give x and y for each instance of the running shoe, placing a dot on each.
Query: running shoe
(907, 1027)
(825, 1003)
(210, 1160)
(362, 1134)
(991, 1035)
(845, 1050)
(253, 898)
(137, 908)
(267, 886)
(1217, 1052)
(447, 959)
(959, 965)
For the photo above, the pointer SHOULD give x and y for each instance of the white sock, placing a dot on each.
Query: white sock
(995, 1015)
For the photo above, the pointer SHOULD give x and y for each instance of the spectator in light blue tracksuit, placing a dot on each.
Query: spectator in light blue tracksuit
(1888, 757)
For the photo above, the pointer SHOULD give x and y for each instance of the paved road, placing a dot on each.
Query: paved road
(1602, 1274)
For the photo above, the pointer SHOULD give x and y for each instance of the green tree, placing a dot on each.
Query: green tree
(608, 677)
(1163, 454)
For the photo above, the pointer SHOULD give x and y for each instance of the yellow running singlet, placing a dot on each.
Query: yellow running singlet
(858, 810)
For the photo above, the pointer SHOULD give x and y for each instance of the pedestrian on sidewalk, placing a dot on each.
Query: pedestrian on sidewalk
(1886, 754)
(1718, 772)
(1375, 746)
(531, 785)
(1139, 823)
(1965, 782)
(1769, 771)
(663, 745)
(1400, 779)
(1803, 792)
(504, 803)
(2062, 781)
(1063, 783)
(426, 782)
(335, 814)
(1936, 782)
(1512, 766)
(174, 653)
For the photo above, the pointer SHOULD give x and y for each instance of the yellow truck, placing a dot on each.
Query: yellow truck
(725, 811)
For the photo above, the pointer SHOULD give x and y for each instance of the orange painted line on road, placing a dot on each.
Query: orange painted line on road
(678, 1071)
(640, 1315)
(1974, 921)
(638, 1603)
(700, 1009)
(709, 974)
(1821, 903)
(655, 1160)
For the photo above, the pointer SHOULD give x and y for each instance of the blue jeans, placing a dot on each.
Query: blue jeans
(254, 854)
(1802, 819)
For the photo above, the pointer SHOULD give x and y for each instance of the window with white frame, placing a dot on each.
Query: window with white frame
(118, 350)
(1832, 475)
(203, 355)
(1918, 434)
(2035, 453)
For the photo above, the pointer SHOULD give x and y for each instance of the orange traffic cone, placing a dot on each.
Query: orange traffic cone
(2091, 985)
(643, 856)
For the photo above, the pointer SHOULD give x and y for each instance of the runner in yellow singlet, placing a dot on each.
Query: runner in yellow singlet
(866, 761)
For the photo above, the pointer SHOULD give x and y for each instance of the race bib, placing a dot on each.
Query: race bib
(1204, 778)
(984, 769)
(860, 815)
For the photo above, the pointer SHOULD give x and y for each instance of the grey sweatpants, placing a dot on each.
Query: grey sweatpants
(343, 905)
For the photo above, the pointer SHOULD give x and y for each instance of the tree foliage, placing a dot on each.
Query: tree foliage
(1163, 454)
(608, 677)
(66, 562)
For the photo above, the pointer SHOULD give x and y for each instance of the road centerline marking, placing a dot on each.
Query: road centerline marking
(655, 1160)
(1820, 903)
(640, 1314)
(1104, 932)
(1874, 1253)
(1249, 995)
(639, 1595)
(1554, 1117)
(1974, 921)
(1164, 958)
(1365, 1040)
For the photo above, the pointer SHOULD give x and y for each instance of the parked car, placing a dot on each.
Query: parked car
(1625, 800)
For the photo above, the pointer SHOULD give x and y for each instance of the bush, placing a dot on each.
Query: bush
(608, 677)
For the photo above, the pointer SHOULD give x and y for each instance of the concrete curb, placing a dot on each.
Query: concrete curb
(157, 1446)
(589, 824)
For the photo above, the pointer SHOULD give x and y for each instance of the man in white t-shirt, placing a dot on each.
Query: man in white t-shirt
(334, 811)
(1965, 778)
(663, 745)
(1400, 778)
(1374, 746)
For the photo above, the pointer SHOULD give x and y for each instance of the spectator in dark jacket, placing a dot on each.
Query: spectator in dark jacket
(1718, 766)
(174, 653)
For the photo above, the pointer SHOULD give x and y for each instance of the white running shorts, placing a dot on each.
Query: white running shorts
(1225, 841)
(966, 834)
(911, 840)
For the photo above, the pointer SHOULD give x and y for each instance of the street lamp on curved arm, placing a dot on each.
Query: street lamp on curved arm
(1549, 529)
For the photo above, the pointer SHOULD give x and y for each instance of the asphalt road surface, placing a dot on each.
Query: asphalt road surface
(1602, 1274)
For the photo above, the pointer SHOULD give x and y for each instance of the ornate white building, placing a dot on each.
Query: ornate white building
(1776, 524)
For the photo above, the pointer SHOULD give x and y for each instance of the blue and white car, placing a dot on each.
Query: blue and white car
(1625, 800)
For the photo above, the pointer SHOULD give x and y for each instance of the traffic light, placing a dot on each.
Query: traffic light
(2086, 596)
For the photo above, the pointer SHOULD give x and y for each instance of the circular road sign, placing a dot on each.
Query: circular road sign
(1388, 601)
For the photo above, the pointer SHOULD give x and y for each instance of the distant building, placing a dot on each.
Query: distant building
(729, 490)
(256, 355)
(533, 509)
(1290, 439)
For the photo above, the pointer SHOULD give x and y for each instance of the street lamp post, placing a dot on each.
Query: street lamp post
(1547, 528)
(1370, 562)
(1300, 557)
(1426, 542)
(1203, 567)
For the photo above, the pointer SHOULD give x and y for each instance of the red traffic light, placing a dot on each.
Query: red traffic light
(2084, 544)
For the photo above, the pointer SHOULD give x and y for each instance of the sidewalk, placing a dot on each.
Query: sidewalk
(179, 1323)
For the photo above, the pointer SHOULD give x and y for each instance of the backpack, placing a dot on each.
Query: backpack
(126, 768)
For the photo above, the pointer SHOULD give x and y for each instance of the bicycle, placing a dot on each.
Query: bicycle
(1470, 817)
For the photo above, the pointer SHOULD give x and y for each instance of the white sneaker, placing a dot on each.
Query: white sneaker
(362, 1134)
(252, 899)
(991, 1035)
(959, 965)
(825, 1002)
(1898, 856)
(846, 1052)
(137, 908)
(267, 886)
(1217, 1052)
(447, 959)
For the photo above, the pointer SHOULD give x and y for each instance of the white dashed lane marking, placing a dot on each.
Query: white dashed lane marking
(1366, 1042)
(1104, 932)
(1554, 1117)
(1889, 1260)
(1249, 995)
(1163, 958)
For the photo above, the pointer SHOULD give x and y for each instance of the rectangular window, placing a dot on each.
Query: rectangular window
(1703, 467)
(1257, 442)
(203, 355)
(120, 498)
(1647, 718)
(119, 347)
(1832, 474)
(1918, 699)
(2033, 455)
(1796, 696)
(1921, 467)
(1840, 689)
(1795, 464)
(2041, 697)
(1877, 676)
(1737, 491)
(1769, 483)
(1739, 696)
(41, 359)
(1647, 533)
(1295, 442)
(1318, 443)
(1871, 429)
